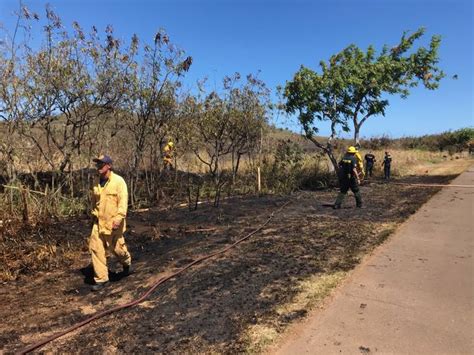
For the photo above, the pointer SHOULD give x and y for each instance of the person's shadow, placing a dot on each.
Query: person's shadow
(88, 273)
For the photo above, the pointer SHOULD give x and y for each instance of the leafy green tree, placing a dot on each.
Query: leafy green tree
(456, 141)
(463, 137)
(354, 84)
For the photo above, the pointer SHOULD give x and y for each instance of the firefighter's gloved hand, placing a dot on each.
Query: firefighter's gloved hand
(116, 225)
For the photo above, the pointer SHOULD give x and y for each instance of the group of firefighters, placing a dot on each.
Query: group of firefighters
(110, 202)
(351, 172)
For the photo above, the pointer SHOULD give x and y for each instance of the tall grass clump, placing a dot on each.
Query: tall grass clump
(30, 239)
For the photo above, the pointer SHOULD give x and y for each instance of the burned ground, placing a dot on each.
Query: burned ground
(209, 307)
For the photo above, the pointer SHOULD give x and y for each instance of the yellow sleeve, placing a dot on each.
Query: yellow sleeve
(360, 164)
(122, 195)
(94, 210)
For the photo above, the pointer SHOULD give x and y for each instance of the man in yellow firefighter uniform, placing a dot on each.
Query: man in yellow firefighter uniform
(109, 210)
(168, 155)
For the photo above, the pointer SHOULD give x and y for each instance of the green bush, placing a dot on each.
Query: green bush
(280, 174)
(313, 177)
(377, 143)
(452, 142)
(290, 169)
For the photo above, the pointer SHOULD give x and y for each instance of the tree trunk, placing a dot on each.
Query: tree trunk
(24, 197)
(237, 164)
(65, 162)
(356, 134)
(233, 166)
(328, 150)
(333, 161)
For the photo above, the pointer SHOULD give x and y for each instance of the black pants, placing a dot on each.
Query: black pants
(347, 184)
(386, 170)
(368, 169)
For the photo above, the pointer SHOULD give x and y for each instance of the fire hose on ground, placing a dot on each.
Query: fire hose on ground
(150, 290)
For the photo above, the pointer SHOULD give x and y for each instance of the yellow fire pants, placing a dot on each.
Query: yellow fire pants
(100, 244)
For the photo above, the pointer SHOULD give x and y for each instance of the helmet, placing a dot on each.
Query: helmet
(170, 143)
(351, 149)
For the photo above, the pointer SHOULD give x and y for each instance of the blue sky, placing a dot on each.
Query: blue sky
(276, 37)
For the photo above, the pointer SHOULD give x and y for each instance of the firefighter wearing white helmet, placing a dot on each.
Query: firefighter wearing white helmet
(348, 178)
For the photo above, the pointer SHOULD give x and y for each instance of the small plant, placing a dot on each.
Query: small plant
(281, 174)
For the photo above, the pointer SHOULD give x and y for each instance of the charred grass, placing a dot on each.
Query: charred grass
(238, 302)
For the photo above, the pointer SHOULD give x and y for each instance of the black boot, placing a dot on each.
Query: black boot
(99, 286)
(127, 270)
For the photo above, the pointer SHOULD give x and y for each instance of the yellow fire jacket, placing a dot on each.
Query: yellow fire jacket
(168, 154)
(109, 203)
(360, 164)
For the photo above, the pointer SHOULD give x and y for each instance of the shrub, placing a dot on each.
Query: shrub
(452, 142)
(290, 169)
(280, 172)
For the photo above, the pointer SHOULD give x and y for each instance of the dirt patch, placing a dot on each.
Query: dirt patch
(258, 287)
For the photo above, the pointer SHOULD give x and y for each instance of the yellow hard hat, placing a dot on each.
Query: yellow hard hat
(352, 149)
(170, 143)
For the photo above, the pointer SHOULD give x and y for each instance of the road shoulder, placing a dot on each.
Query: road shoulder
(414, 294)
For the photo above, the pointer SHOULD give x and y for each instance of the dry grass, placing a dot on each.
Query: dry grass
(310, 294)
(26, 241)
(259, 336)
(27, 250)
(404, 162)
(448, 166)
(20, 204)
(421, 162)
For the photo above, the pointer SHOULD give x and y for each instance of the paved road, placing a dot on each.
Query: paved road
(415, 295)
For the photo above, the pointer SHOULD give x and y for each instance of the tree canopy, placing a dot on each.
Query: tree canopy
(353, 84)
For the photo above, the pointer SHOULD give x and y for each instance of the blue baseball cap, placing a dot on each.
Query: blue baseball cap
(103, 159)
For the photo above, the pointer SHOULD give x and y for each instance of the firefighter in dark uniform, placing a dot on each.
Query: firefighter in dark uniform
(369, 163)
(348, 178)
(387, 162)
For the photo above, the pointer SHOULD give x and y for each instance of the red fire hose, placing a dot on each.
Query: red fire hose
(148, 292)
